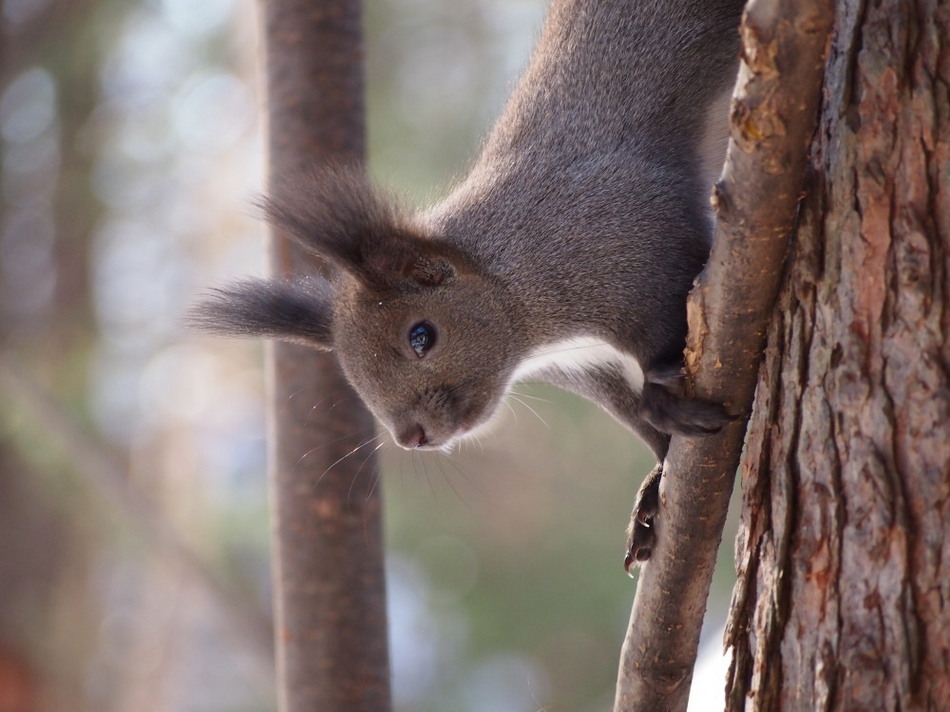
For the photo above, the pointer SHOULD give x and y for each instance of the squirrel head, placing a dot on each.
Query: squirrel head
(427, 338)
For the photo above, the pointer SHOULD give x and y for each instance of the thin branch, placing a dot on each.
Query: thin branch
(773, 118)
(102, 470)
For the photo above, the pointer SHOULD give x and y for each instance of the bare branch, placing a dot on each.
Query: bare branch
(773, 118)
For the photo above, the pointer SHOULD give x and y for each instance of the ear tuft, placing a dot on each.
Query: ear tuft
(257, 308)
(336, 214)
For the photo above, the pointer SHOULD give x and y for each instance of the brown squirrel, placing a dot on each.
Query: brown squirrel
(565, 255)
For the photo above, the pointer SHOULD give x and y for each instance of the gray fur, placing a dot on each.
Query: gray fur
(586, 216)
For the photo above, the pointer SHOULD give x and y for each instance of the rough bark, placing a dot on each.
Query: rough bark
(332, 649)
(843, 601)
(772, 120)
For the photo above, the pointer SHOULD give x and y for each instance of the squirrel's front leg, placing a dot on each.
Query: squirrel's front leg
(608, 387)
(663, 409)
(654, 411)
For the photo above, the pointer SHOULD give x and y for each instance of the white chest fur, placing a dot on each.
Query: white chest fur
(579, 354)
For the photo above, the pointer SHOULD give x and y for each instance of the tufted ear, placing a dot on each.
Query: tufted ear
(339, 216)
(298, 312)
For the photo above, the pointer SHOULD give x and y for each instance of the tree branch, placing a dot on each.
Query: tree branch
(773, 118)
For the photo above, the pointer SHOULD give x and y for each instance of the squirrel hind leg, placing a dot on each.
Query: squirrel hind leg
(641, 534)
(667, 408)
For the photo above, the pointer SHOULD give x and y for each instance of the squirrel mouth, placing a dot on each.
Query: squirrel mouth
(428, 433)
(476, 420)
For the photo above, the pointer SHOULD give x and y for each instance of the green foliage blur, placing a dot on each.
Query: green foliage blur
(133, 499)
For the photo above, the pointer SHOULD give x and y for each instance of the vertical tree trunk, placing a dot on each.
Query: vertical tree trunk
(46, 622)
(843, 601)
(329, 585)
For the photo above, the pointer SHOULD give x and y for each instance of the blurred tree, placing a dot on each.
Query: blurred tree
(78, 589)
(48, 77)
(499, 605)
(843, 601)
(332, 639)
(33, 544)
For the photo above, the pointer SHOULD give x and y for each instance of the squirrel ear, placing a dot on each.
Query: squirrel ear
(432, 271)
(336, 214)
(297, 312)
(406, 258)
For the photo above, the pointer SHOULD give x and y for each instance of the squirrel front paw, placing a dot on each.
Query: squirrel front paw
(641, 534)
(666, 407)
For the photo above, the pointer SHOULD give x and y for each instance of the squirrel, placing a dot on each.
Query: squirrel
(564, 256)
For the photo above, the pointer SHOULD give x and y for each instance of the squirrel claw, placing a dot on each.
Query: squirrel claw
(641, 534)
(639, 545)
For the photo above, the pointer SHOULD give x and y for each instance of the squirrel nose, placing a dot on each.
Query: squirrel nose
(412, 437)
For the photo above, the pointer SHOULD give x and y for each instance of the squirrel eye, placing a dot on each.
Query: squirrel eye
(422, 338)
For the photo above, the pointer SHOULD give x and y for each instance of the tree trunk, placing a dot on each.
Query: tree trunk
(47, 623)
(843, 599)
(332, 649)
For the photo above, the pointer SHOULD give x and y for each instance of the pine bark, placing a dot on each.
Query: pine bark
(843, 599)
(332, 649)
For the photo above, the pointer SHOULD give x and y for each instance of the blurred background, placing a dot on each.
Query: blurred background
(134, 569)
